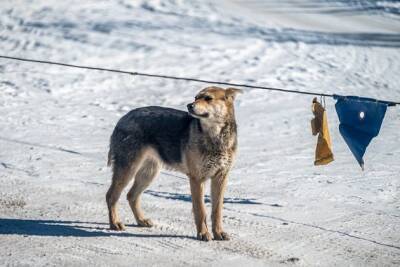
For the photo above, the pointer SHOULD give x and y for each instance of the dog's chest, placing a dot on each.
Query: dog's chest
(212, 154)
(217, 163)
(216, 159)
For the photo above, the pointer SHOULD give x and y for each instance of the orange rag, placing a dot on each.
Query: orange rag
(319, 125)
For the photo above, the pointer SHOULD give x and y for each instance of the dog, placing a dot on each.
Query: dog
(200, 143)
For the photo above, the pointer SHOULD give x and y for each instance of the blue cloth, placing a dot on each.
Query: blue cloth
(360, 121)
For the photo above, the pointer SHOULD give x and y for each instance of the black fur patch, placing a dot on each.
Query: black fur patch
(164, 129)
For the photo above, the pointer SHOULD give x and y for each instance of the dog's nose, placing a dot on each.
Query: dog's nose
(190, 106)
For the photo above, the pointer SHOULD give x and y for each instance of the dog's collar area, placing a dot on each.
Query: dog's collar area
(200, 116)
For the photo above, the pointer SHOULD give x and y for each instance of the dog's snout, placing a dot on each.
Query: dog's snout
(190, 106)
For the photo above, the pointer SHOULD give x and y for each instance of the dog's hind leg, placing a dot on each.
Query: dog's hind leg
(148, 171)
(122, 175)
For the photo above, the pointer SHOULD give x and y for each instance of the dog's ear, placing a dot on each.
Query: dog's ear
(230, 93)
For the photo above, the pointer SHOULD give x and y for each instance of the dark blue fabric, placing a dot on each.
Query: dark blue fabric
(360, 121)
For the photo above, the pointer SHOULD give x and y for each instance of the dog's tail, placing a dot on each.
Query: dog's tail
(110, 157)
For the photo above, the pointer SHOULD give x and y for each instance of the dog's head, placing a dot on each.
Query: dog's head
(214, 104)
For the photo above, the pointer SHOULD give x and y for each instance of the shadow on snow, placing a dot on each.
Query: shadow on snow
(68, 228)
(207, 198)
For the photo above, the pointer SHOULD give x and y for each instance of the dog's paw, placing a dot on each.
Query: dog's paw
(221, 236)
(145, 223)
(118, 226)
(204, 236)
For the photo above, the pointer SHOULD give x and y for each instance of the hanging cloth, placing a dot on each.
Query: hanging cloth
(360, 121)
(319, 125)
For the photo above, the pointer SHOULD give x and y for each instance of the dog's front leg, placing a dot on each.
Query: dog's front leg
(218, 185)
(199, 210)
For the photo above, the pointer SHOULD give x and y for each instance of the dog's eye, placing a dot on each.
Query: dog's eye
(207, 98)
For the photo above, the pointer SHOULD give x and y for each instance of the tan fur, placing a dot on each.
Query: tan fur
(211, 159)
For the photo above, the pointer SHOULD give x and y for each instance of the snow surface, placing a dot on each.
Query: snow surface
(279, 209)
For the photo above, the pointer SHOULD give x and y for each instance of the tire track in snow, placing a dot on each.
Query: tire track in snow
(319, 227)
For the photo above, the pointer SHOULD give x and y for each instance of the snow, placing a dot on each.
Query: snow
(280, 209)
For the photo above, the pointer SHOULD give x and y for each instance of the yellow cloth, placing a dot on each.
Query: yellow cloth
(319, 125)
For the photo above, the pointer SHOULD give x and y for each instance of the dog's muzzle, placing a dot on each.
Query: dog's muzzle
(190, 108)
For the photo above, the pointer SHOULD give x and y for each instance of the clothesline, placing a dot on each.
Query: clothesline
(135, 73)
(360, 117)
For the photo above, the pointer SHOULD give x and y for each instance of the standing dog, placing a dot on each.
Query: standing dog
(200, 143)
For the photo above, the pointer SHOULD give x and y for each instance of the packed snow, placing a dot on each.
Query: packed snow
(280, 209)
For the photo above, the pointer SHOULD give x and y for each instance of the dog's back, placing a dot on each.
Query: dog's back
(165, 130)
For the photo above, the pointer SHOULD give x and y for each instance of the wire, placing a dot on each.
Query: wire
(391, 103)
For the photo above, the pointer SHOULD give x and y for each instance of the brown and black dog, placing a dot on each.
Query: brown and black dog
(200, 143)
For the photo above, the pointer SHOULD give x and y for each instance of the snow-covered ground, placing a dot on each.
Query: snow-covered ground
(279, 209)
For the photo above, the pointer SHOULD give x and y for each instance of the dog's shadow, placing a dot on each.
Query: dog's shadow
(207, 198)
(62, 228)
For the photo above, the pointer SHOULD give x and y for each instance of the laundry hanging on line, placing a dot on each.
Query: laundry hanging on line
(319, 125)
(360, 121)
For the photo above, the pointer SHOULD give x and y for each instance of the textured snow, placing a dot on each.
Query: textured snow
(279, 209)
